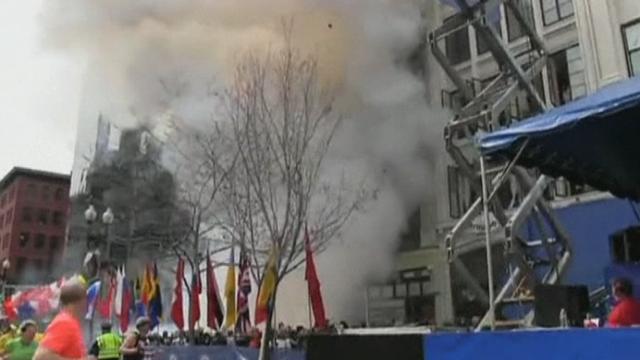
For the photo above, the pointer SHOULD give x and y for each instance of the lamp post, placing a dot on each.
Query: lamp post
(92, 260)
(107, 220)
(6, 264)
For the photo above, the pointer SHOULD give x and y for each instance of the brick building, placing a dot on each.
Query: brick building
(34, 206)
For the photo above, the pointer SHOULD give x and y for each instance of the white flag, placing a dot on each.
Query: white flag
(119, 291)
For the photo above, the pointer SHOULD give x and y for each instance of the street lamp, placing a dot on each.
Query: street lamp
(107, 217)
(90, 214)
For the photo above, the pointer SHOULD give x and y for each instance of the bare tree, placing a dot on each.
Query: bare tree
(283, 122)
(207, 159)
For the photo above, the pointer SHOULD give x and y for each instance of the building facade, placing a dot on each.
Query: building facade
(34, 207)
(591, 43)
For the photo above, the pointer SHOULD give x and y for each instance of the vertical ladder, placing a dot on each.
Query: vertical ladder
(530, 261)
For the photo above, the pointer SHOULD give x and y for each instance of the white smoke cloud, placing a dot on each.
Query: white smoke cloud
(152, 58)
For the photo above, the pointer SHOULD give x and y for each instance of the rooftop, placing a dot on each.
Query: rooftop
(33, 173)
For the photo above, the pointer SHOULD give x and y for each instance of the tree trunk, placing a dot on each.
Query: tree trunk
(267, 336)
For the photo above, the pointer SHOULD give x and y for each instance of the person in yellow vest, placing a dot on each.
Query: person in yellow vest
(107, 346)
(7, 333)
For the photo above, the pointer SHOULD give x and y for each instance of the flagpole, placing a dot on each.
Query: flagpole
(309, 308)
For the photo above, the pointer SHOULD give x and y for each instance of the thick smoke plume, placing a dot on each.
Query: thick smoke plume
(151, 60)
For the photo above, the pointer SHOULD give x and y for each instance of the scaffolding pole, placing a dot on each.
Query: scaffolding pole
(487, 234)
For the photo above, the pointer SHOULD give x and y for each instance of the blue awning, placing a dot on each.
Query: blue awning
(594, 140)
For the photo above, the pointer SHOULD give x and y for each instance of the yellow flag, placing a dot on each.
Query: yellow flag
(230, 293)
(267, 289)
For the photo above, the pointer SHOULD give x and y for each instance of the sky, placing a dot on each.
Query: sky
(39, 93)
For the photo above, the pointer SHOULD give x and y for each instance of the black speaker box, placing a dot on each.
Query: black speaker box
(369, 347)
(551, 299)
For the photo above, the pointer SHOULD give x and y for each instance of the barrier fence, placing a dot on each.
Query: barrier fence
(220, 353)
(573, 344)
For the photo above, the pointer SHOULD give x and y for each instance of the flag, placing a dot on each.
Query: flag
(214, 308)
(93, 292)
(267, 289)
(104, 304)
(243, 321)
(117, 302)
(148, 286)
(313, 284)
(128, 303)
(138, 305)
(155, 298)
(230, 294)
(196, 290)
(177, 312)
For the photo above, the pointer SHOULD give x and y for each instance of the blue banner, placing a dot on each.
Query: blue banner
(221, 353)
(574, 344)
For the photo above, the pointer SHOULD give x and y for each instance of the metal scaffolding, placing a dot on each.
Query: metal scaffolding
(529, 261)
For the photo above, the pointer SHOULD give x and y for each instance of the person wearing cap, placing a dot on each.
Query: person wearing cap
(23, 347)
(136, 345)
(64, 337)
(107, 346)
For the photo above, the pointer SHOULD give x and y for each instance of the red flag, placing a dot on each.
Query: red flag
(127, 304)
(177, 313)
(313, 283)
(214, 308)
(105, 305)
(196, 290)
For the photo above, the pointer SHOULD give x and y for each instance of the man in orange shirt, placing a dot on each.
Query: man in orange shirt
(63, 339)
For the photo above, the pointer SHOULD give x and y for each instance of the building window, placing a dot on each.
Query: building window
(13, 193)
(43, 216)
(556, 10)
(410, 238)
(41, 239)
(27, 214)
(59, 194)
(46, 193)
(21, 264)
(3, 202)
(457, 45)
(514, 28)
(24, 239)
(32, 192)
(631, 34)
(494, 22)
(566, 81)
(5, 241)
(9, 217)
(54, 243)
(1, 220)
(58, 218)
(38, 264)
